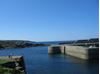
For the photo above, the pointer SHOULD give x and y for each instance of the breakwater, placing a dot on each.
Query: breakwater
(76, 51)
(83, 49)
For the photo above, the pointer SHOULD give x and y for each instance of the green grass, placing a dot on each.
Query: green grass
(3, 61)
(4, 70)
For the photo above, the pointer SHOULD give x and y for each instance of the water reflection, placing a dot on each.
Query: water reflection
(74, 65)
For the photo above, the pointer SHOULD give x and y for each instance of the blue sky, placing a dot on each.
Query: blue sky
(48, 20)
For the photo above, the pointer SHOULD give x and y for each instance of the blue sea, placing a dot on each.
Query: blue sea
(37, 61)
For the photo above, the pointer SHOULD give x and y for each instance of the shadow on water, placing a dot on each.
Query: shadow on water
(77, 60)
(75, 65)
(74, 59)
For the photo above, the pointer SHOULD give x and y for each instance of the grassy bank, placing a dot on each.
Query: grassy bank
(8, 66)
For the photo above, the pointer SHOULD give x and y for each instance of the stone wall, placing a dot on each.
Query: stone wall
(82, 52)
(56, 50)
(75, 51)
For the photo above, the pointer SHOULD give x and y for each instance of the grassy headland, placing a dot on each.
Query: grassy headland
(18, 44)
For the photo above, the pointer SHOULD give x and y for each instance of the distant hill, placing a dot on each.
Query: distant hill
(92, 40)
(18, 44)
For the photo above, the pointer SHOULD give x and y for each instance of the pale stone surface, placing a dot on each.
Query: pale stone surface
(82, 52)
(75, 51)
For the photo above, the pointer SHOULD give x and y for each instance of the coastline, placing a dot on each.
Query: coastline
(19, 44)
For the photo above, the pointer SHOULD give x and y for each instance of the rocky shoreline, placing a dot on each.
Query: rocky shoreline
(18, 44)
(12, 65)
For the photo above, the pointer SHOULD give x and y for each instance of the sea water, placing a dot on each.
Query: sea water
(37, 61)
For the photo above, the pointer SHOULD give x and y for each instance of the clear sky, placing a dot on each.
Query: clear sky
(48, 20)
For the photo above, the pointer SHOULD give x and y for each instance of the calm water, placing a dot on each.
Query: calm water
(38, 61)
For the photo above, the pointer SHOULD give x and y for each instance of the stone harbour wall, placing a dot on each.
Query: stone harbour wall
(75, 51)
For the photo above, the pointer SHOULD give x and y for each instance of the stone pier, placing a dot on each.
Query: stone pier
(81, 52)
(56, 49)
